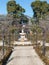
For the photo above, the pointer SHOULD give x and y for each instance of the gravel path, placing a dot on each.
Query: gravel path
(24, 55)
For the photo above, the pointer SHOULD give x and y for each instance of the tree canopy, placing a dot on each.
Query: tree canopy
(14, 9)
(40, 8)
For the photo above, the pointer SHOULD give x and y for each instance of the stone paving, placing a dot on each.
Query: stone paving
(24, 55)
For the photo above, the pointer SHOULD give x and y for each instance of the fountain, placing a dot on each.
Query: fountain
(22, 40)
(22, 35)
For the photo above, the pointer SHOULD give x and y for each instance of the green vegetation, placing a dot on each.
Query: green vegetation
(39, 51)
(6, 56)
(14, 9)
(40, 9)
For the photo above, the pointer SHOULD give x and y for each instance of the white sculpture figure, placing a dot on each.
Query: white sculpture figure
(22, 36)
(22, 31)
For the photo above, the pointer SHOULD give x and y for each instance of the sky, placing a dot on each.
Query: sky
(26, 4)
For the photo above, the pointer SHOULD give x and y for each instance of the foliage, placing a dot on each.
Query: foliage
(11, 7)
(36, 28)
(44, 58)
(32, 20)
(40, 8)
(14, 9)
(6, 55)
(24, 18)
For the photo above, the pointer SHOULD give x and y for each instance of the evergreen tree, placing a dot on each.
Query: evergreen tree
(40, 8)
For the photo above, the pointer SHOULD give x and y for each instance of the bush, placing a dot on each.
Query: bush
(6, 56)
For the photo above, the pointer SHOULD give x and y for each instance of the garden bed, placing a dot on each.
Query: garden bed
(44, 58)
(6, 56)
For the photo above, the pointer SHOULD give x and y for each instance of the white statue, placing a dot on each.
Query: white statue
(22, 31)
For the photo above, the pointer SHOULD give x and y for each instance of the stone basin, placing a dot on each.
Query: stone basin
(22, 34)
